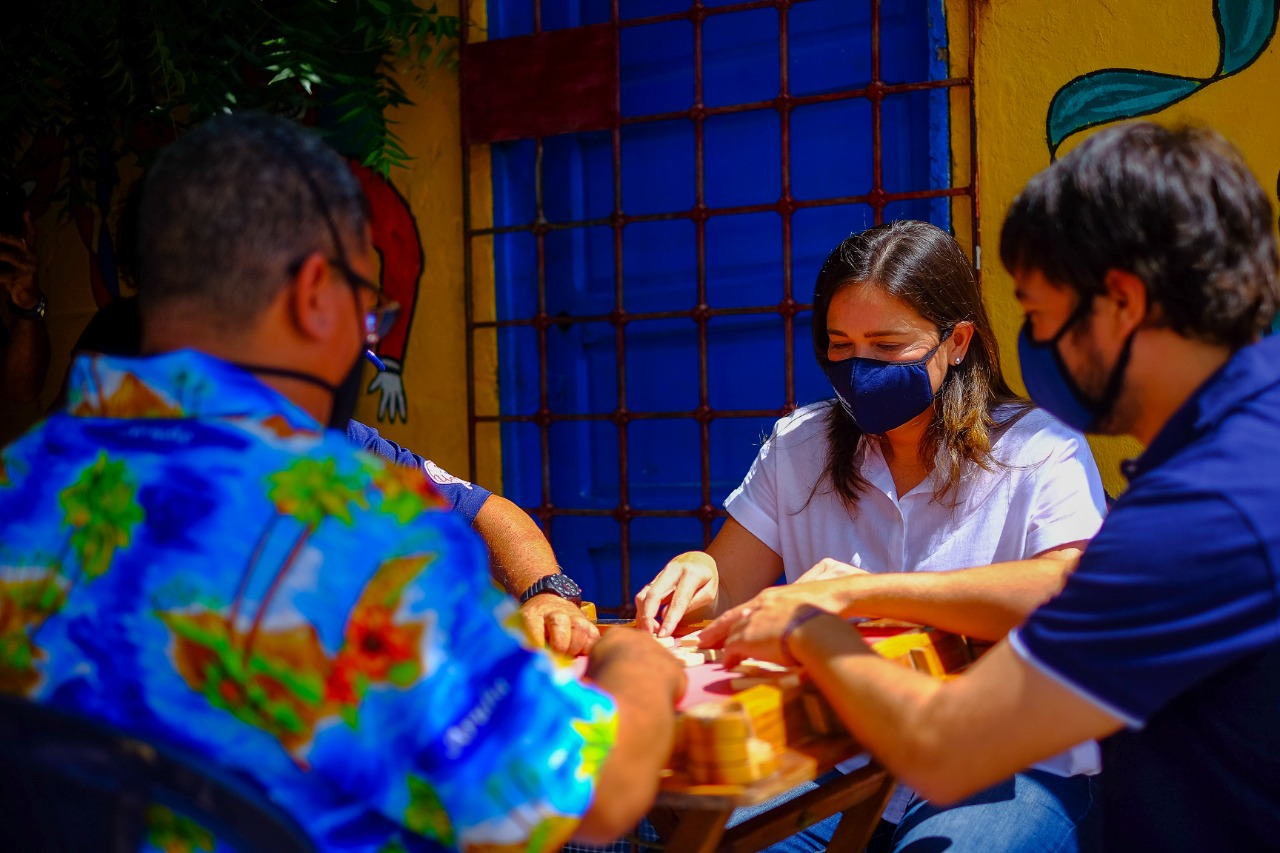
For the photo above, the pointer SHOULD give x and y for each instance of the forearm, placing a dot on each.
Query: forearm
(628, 781)
(984, 602)
(645, 691)
(745, 565)
(946, 739)
(519, 553)
(893, 711)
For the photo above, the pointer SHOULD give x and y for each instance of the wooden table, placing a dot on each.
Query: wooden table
(692, 817)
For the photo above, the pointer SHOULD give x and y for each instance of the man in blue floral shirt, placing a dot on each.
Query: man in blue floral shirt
(188, 555)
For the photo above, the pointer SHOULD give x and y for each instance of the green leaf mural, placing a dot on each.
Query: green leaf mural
(1245, 28)
(1106, 96)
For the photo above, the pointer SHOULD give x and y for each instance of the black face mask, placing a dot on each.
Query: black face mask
(345, 395)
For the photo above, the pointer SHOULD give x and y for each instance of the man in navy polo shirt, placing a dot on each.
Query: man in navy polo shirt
(1147, 266)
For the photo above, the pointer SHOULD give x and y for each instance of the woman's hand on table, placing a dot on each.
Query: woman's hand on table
(687, 583)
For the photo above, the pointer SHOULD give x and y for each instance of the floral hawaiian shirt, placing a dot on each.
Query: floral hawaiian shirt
(186, 555)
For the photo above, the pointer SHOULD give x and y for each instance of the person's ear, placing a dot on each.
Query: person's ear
(310, 298)
(961, 337)
(1127, 295)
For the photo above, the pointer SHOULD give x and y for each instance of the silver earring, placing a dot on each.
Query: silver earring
(957, 361)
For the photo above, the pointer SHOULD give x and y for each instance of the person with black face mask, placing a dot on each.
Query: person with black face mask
(191, 557)
(1146, 262)
(877, 502)
(520, 557)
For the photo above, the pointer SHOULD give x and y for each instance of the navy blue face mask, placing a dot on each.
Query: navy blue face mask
(1052, 387)
(883, 395)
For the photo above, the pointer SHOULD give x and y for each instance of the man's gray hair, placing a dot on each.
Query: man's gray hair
(232, 206)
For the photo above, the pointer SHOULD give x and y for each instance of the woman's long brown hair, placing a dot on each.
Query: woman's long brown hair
(923, 267)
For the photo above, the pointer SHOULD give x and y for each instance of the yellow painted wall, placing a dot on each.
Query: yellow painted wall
(435, 376)
(435, 358)
(1028, 49)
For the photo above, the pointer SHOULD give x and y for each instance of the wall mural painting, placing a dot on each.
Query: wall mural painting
(395, 237)
(1245, 29)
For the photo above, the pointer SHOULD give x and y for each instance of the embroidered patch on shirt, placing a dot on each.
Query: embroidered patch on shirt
(441, 476)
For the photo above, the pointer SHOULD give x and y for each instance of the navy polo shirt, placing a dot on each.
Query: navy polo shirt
(1172, 623)
(465, 498)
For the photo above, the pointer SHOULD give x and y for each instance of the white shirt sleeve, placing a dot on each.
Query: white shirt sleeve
(754, 504)
(1069, 501)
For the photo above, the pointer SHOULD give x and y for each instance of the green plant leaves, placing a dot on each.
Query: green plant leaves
(85, 71)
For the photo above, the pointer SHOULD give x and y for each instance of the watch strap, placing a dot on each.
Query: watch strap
(558, 584)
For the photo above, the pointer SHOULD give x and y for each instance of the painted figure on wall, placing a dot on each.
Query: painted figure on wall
(395, 237)
(96, 213)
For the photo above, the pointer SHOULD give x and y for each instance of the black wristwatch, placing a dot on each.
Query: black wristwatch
(557, 584)
(36, 313)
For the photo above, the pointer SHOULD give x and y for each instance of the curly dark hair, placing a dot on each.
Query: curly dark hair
(922, 266)
(1178, 208)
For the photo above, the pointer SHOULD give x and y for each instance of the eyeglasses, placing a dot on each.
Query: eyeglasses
(382, 316)
(384, 313)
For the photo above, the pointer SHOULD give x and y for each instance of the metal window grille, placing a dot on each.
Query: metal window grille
(961, 98)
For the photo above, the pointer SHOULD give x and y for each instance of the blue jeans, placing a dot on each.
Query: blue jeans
(1033, 811)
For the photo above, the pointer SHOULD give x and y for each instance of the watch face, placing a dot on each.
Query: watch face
(565, 586)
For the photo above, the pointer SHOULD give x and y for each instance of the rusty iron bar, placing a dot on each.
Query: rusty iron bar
(763, 207)
(618, 221)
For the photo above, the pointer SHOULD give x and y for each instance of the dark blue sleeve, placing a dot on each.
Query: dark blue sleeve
(367, 438)
(464, 498)
(1176, 586)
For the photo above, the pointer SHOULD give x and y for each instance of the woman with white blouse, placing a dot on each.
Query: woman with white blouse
(924, 465)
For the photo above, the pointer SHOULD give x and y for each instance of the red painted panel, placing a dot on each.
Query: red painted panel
(561, 81)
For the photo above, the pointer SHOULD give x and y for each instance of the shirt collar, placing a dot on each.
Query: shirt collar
(1248, 373)
(180, 384)
(875, 468)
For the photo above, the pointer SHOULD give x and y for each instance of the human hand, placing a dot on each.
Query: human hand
(829, 569)
(389, 384)
(688, 582)
(625, 654)
(559, 624)
(821, 594)
(18, 266)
